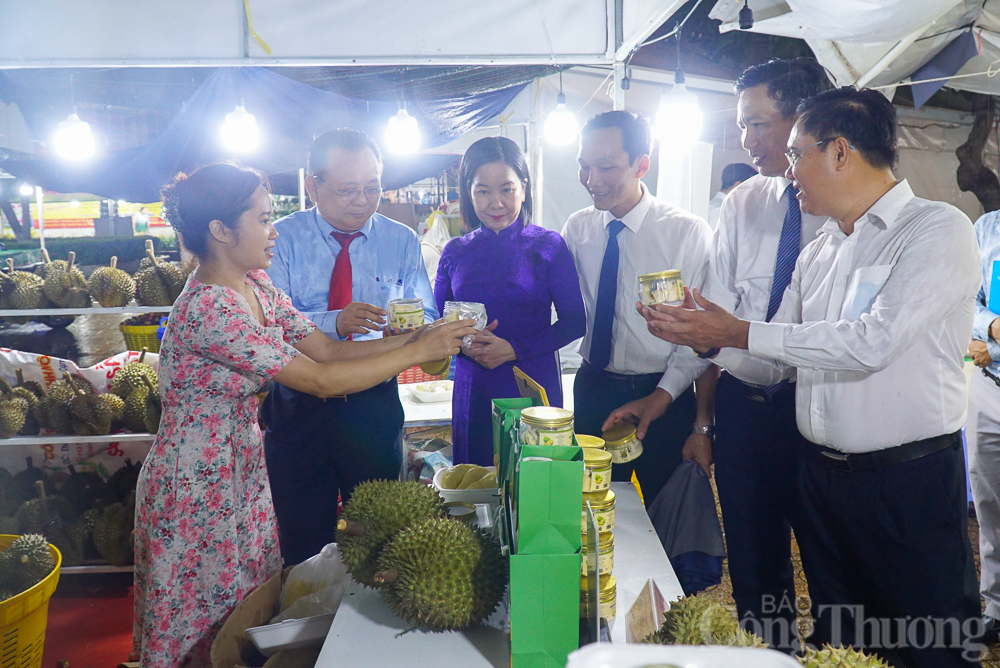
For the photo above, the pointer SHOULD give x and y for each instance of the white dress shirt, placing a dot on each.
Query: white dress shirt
(714, 207)
(656, 237)
(874, 326)
(745, 247)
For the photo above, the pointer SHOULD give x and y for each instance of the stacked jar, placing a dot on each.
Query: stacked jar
(597, 492)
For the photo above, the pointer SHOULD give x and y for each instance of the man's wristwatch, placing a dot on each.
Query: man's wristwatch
(708, 354)
(707, 430)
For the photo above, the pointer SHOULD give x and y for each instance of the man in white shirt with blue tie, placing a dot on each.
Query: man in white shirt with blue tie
(874, 326)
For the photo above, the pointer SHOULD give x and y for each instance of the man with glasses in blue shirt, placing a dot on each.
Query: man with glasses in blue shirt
(340, 263)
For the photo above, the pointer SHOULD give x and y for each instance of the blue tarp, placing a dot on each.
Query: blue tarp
(289, 114)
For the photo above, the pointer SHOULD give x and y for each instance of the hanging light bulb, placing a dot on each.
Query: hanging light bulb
(27, 190)
(561, 126)
(679, 118)
(402, 134)
(239, 131)
(73, 139)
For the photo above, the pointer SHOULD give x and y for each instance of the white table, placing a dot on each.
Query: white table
(419, 414)
(365, 633)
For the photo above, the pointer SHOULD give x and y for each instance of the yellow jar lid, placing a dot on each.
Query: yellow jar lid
(594, 458)
(670, 273)
(547, 416)
(605, 541)
(603, 500)
(619, 434)
(588, 441)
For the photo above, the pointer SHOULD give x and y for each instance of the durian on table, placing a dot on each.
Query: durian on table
(21, 290)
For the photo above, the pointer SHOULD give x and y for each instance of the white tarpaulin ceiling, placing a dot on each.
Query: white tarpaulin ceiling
(68, 33)
(881, 42)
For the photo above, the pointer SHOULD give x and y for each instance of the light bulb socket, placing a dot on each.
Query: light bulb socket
(561, 98)
(679, 76)
(746, 16)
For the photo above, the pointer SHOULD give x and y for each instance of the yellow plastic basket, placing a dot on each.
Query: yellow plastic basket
(23, 618)
(138, 337)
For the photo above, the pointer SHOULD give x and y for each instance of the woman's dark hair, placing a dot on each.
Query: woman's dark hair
(221, 191)
(637, 133)
(788, 81)
(483, 152)
(865, 118)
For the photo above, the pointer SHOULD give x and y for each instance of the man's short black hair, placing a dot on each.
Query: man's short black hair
(865, 118)
(736, 172)
(637, 134)
(343, 138)
(788, 81)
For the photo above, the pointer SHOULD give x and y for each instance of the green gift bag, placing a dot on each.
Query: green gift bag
(547, 497)
(544, 608)
(506, 416)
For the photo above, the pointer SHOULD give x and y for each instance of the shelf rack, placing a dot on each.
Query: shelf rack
(96, 310)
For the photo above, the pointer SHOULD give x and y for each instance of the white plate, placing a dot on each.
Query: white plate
(291, 634)
(424, 393)
(487, 495)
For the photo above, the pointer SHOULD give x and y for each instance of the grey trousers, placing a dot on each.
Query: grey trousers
(982, 434)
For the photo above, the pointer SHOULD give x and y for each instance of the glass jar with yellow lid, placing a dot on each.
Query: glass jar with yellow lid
(661, 287)
(622, 443)
(587, 441)
(406, 313)
(603, 505)
(546, 425)
(607, 593)
(597, 470)
(605, 554)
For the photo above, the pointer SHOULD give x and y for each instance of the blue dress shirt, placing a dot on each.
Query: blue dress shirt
(386, 264)
(988, 234)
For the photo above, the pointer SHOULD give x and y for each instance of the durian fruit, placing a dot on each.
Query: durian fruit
(158, 284)
(31, 392)
(701, 620)
(134, 412)
(124, 480)
(93, 414)
(51, 516)
(82, 531)
(48, 264)
(82, 490)
(111, 286)
(153, 407)
(442, 574)
(55, 411)
(25, 480)
(13, 411)
(22, 290)
(66, 287)
(839, 657)
(10, 499)
(130, 376)
(113, 536)
(26, 562)
(32, 386)
(377, 511)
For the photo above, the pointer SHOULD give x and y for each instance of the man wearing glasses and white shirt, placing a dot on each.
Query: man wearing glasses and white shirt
(874, 326)
(340, 263)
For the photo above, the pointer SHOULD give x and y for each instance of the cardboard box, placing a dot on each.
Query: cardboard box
(232, 648)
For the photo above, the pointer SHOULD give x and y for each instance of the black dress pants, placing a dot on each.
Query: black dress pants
(756, 452)
(597, 393)
(887, 556)
(316, 448)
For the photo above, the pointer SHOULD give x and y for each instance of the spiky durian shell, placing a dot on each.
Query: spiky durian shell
(697, 620)
(839, 657)
(129, 378)
(384, 508)
(13, 412)
(159, 284)
(450, 576)
(25, 563)
(112, 533)
(111, 286)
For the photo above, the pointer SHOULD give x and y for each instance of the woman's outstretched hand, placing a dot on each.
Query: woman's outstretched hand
(441, 339)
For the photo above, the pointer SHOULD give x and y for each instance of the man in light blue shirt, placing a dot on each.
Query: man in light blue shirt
(340, 263)
(983, 428)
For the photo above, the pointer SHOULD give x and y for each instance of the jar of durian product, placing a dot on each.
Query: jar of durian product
(597, 470)
(546, 425)
(622, 443)
(605, 554)
(661, 287)
(607, 593)
(406, 314)
(587, 441)
(603, 505)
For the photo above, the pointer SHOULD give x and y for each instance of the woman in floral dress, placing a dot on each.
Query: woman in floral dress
(205, 531)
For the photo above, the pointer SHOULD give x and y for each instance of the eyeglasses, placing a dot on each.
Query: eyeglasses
(794, 154)
(354, 193)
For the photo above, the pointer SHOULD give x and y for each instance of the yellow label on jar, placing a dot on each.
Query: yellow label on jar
(596, 480)
(605, 519)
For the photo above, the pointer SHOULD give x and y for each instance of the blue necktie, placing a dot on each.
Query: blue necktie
(788, 251)
(784, 265)
(607, 291)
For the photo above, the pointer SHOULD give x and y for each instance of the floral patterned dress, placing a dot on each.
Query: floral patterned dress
(205, 530)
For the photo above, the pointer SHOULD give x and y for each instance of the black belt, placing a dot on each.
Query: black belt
(757, 393)
(621, 377)
(879, 459)
(991, 376)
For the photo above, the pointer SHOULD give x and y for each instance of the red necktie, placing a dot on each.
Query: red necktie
(340, 281)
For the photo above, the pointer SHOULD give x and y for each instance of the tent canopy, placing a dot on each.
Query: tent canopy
(882, 42)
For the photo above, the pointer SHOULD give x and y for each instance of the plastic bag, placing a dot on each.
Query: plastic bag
(314, 587)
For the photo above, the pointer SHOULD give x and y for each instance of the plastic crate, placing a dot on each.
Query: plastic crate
(24, 617)
(138, 337)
